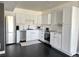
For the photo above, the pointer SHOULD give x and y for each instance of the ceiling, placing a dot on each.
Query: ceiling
(31, 5)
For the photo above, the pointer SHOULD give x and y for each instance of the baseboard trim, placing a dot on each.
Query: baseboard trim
(44, 41)
(2, 52)
(65, 52)
(10, 44)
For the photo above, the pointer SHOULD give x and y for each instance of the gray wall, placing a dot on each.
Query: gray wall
(2, 26)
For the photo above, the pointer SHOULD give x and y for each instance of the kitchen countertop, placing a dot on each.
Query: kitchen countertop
(22, 30)
(55, 31)
(59, 31)
(28, 29)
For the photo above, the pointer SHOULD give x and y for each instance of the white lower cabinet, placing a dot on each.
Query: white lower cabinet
(10, 38)
(58, 40)
(18, 36)
(32, 35)
(55, 40)
(52, 39)
(42, 35)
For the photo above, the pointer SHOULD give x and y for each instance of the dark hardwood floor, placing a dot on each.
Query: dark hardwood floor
(35, 50)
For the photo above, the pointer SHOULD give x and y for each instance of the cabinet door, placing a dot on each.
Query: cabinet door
(67, 15)
(45, 18)
(59, 17)
(56, 17)
(32, 35)
(28, 34)
(53, 18)
(38, 20)
(35, 34)
(49, 18)
(52, 39)
(66, 34)
(18, 36)
(18, 19)
(57, 41)
(10, 38)
(41, 35)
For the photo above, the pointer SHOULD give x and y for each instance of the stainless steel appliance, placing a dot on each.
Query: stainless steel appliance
(47, 35)
(10, 30)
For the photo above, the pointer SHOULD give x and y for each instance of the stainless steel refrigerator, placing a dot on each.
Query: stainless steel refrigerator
(10, 30)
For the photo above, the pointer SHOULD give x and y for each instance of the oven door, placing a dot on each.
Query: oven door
(47, 36)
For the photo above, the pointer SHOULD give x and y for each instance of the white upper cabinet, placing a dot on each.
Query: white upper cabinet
(46, 18)
(49, 18)
(56, 17)
(59, 17)
(37, 20)
(53, 18)
(67, 15)
(18, 19)
(27, 19)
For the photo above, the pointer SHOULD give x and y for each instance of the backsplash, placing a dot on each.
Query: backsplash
(57, 27)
